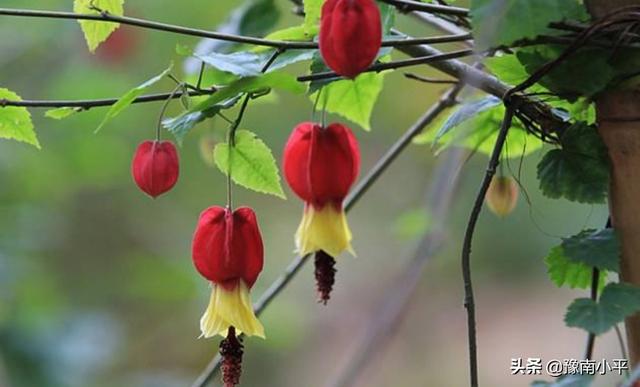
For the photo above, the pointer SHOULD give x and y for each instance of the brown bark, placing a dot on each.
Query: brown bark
(618, 113)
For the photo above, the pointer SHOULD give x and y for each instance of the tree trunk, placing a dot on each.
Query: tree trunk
(618, 115)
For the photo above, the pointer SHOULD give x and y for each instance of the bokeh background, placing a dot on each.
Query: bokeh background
(97, 286)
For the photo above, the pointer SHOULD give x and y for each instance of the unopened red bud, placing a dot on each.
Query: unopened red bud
(350, 35)
(155, 167)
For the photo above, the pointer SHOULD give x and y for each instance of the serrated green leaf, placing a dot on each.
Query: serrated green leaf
(15, 121)
(479, 133)
(563, 271)
(567, 381)
(61, 113)
(501, 22)
(353, 99)
(584, 73)
(579, 171)
(595, 248)
(617, 302)
(252, 163)
(126, 100)
(96, 32)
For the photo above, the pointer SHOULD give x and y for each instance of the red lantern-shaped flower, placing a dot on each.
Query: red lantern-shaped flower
(321, 165)
(227, 250)
(350, 35)
(155, 167)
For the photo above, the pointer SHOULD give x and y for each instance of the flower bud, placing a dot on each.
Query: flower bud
(227, 250)
(155, 167)
(350, 35)
(321, 165)
(502, 195)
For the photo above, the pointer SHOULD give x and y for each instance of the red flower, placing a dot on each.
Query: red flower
(350, 35)
(321, 165)
(155, 167)
(227, 250)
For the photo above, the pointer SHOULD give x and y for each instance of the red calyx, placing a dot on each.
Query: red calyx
(227, 246)
(321, 164)
(350, 35)
(155, 167)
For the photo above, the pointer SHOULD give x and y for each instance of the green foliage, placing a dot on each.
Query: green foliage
(246, 63)
(128, 98)
(96, 32)
(596, 248)
(617, 301)
(585, 73)
(276, 80)
(181, 125)
(297, 33)
(412, 224)
(476, 128)
(15, 122)
(563, 271)
(579, 170)
(252, 163)
(61, 113)
(312, 10)
(567, 381)
(501, 22)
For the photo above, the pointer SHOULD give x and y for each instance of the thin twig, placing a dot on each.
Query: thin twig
(158, 26)
(421, 78)
(360, 189)
(469, 301)
(393, 65)
(86, 104)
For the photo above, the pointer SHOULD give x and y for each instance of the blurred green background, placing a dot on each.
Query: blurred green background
(97, 286)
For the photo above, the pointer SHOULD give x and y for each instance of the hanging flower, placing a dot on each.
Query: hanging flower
(321, 165)
(227, 250)
(155, 167)
(502, 195)
(350, 35)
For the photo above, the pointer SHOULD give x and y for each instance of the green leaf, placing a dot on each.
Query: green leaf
(181, 125)
(126, 100)
(15, 121)
(466, 112)
(501, 22)
(353, 99)
(579, 171)
(479, 133)
(595, 248)
(277, 80)
(312, 10)
(61, 113)
(252, 163)
(246, 63)
(96, 32)
(567, 381)
(617, 302)
(585, 73)
(563, 271)
(388, 17)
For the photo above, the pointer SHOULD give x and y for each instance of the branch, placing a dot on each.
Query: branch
(378, 67)
(86, 104)
(152, 25)
(410, 5)
(363, 186)
(469, 302)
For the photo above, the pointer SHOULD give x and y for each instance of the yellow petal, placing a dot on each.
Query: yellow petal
(230, 308)
(325, 229)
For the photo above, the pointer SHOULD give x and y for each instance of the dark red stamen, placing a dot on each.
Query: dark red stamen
(231, 350)
(325, 275)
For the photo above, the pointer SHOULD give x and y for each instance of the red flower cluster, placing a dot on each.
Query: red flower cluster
(155, 167)
(350, 35)
(321, 165)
